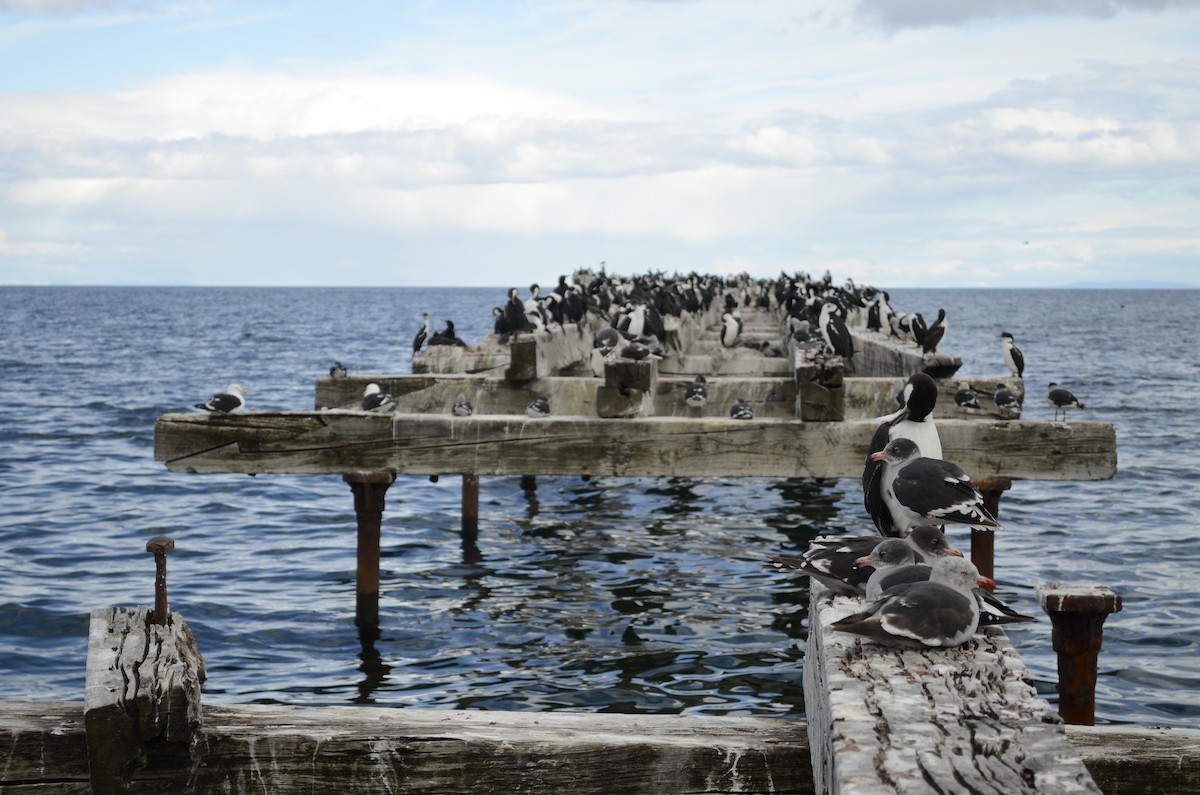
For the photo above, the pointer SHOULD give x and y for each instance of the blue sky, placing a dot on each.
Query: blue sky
(904, 143)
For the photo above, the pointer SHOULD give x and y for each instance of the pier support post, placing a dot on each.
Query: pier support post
(1077, 615)
(820, 389)
(983, 542)
(369, 489)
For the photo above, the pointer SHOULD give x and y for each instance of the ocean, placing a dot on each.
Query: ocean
(609, 595)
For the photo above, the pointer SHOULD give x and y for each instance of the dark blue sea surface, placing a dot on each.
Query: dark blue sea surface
(622, 595)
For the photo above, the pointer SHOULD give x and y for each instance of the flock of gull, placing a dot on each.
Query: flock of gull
(918, 589)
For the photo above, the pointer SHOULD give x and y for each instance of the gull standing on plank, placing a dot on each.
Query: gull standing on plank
(920, 490)
(966, 398)
(1062, 400)
(226, 402)
(1006, 401)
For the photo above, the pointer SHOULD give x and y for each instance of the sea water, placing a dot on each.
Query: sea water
(621, 595)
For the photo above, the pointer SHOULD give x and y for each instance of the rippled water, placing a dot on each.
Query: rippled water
(627, 595)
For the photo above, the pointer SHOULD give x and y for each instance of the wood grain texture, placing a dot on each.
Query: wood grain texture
(143, 688)
(337, 441)
(967, 719)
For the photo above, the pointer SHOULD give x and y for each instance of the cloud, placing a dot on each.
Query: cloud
(898, 14)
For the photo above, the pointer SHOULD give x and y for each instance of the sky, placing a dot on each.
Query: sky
(899, 143)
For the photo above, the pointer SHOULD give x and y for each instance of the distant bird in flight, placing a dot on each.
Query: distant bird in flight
(226, 402)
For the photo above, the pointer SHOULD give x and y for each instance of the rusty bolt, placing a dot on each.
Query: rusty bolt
(159, 546)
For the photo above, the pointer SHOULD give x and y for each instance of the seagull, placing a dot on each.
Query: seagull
(1062, 400)
(837, 560)
(921, 489)
(696, 395)
(1012, 355)
(538, 407)
(377, 400)
(226, 402)
(461, 407)
(912, 421)
(337, 371)
(741, 410)
(966, 399)
(1006, 401)
(423, 334)
(898, 560)
(940, 613)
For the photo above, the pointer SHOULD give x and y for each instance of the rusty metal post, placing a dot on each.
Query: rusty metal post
(159, 546)
(983, 542)
(470, 503)
(369, 489)
(1077, 617)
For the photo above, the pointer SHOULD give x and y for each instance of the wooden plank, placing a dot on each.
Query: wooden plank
(143, 687)
(1132, 760)
(44, 748)
(334, 442)
(878, 355)
(370, 749)
(968, 719)
(875, 397)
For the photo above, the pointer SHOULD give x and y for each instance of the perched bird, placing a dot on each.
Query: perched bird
(538, 407)
(604, 347)
(914, 420)
(227, 402)
(337, 371)
(637, 351)
(461, 407)
(1013, 358)
(1006, 401)
(696, 394)
(374, 399)
(940, 613)
(905, 559)
(966, 398)
(447, 336)
(836, 561)
(741, 410)
(423, 334)
(920, 489)
(935, 333)
(838, 341)
(731, 329)
(1062, 400)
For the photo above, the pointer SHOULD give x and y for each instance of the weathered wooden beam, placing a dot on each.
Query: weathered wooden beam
(44, 748)
(874, 397)
(543, 353)
(821, 389)
(968, 719)
(334, 442)
(628, 389)
(143, 690)
(879, 355)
